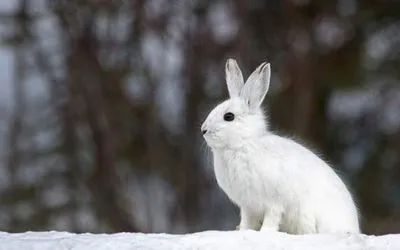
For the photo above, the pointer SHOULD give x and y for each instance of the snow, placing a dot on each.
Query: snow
(203, 240)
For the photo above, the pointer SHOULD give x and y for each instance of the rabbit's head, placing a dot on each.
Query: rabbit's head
(241, 116)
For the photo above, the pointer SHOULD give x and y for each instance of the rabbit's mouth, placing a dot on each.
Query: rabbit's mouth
(209, 136)
(213, 140)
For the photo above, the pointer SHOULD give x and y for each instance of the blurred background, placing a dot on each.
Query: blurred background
(101, 103)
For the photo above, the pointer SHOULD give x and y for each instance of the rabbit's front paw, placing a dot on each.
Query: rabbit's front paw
(249, 221)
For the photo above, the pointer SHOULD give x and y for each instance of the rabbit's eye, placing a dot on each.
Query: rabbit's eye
(229, 117)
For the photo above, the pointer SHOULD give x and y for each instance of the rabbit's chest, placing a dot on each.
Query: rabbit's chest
(239, 178)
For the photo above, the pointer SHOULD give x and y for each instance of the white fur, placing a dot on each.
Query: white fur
(277, 183)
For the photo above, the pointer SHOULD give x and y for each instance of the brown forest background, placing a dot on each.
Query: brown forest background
(102, 130)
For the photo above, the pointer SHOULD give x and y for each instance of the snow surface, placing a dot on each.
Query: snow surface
(204, 240)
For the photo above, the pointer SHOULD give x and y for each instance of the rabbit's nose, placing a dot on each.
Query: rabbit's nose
(203, 129)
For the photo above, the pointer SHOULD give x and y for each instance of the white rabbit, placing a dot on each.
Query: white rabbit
(277, 183)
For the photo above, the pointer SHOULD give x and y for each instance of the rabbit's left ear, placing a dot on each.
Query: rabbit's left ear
(234, 78)
(256, 86)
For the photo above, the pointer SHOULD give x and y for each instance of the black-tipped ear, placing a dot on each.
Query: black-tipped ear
(257, 86)
(234, 78)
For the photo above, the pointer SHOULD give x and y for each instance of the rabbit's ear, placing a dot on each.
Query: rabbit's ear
(256, 86)
(234, 78)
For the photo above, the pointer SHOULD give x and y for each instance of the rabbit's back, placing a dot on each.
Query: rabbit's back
(315, 197)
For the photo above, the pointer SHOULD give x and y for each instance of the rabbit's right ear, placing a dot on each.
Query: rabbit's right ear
(256, 86)
(234, 78)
